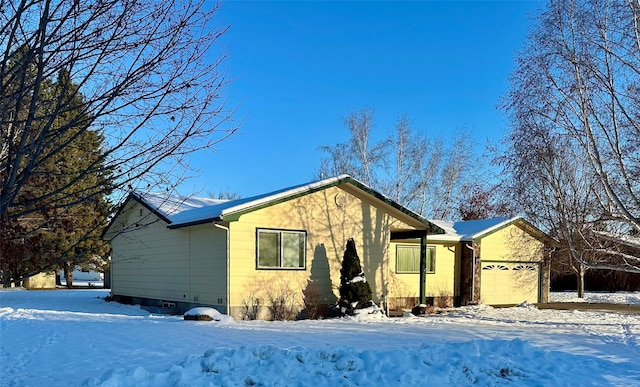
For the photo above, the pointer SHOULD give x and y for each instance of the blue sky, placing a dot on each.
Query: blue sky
(301, 66)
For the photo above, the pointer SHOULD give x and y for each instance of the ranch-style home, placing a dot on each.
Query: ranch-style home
(181, 252)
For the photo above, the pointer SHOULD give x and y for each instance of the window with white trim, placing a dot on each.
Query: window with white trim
(408, 259)
(280, 249)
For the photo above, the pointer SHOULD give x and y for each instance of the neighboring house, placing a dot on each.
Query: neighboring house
(40, 281)
(184, 251)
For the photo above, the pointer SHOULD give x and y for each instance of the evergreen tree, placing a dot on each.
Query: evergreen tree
(355, 292)
(77, 166)
(62, 232)
(18, 244)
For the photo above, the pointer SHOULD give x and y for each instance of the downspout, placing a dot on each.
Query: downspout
(228, 296)
(190, 299)
(473, 271)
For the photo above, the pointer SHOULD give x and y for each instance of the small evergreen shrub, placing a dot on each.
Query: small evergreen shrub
(355, 292)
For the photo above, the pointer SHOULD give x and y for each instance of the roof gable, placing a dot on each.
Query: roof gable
(470, 230)
(180, 211)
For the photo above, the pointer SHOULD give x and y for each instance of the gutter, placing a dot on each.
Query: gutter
(228, 296)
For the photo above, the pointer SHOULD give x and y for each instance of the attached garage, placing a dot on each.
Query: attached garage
(510, 283)
(502, 260)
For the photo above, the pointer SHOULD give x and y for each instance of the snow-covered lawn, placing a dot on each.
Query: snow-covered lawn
(74, 337)
(627, 298)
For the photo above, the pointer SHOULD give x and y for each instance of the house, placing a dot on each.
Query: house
(180, 252)
(46, 280)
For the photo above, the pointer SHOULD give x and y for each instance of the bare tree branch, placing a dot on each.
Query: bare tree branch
(424, 174)
(151, 79)
(573, 148)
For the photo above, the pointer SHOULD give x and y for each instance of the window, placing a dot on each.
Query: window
(495, 267)
(281, 249)
(524, 267)
(408, 259)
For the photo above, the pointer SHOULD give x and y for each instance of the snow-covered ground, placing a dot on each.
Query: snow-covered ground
(626, 298)
(74, 337)
(83, 283)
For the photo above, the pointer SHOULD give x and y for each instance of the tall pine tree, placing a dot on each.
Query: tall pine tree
(355, 292)
(19, 245)
(75, 231)
(62, 232)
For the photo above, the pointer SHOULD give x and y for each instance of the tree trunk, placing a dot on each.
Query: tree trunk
(580, 275)
(68, 274)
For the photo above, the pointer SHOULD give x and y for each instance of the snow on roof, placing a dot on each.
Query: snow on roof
(171, 206)
(187, 210)
(183, 211)
(468, 230)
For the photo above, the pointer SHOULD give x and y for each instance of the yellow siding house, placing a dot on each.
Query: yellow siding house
(183, 251)
(180, 252)
(45, 280)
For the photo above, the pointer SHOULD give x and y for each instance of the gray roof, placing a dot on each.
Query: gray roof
(468, 230)
(181, 211)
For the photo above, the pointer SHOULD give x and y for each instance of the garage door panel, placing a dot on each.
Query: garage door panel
(509, 283)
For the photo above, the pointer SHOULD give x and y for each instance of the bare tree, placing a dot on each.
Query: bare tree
(412, 163)
(577, 81)
(358, 156)
(480, 200)
(458, 168)
(424, 174)
(546, 180)
(151, 79)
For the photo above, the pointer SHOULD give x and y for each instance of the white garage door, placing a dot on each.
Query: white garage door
(509, 283)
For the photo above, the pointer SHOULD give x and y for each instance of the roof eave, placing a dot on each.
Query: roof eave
(133, 196)
(492, 229)
(431, 227)
(516, 219)
(233, 214)
(194, 223)
(149, 207)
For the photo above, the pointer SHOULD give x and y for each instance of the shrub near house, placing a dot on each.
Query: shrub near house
(355, 292)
